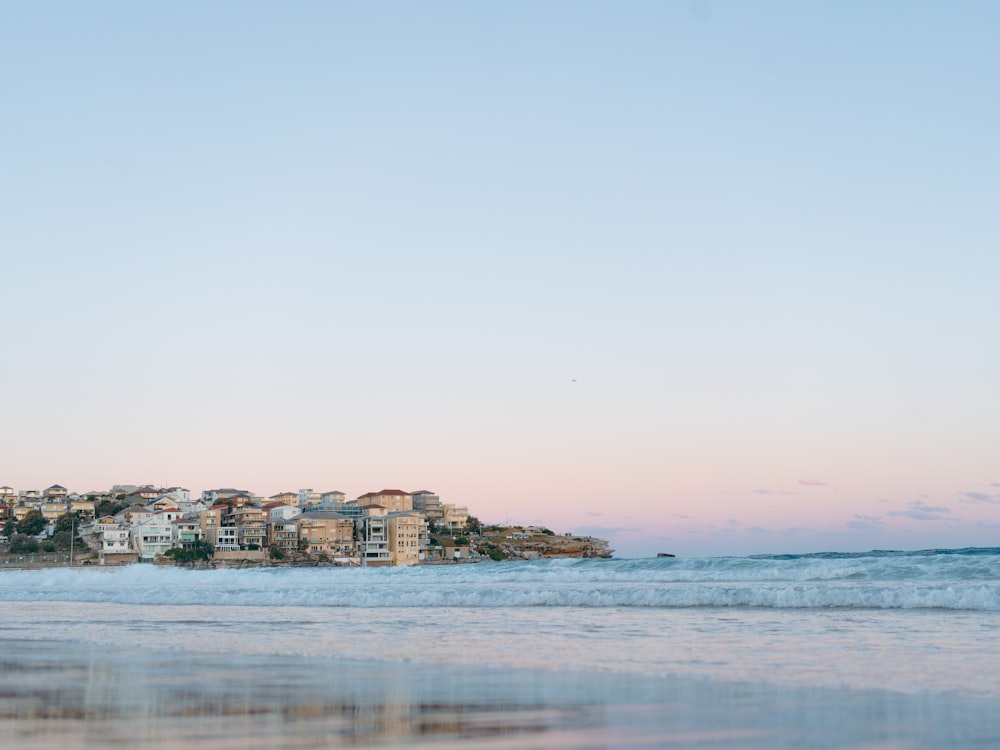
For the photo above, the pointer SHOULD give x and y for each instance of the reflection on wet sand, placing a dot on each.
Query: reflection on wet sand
(62, 696)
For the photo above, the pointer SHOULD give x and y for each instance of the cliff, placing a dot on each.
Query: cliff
(519, 544)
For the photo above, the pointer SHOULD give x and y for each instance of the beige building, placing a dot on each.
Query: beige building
(83, 506)
(327, 533)
(211, 520)
(404, 530)
(454, 517)
(429, 504)
(250, 522)
(288, 498)
(283, 534)
(8, 496)
(391, 500)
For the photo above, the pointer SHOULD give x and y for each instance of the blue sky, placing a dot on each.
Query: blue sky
(280, 245)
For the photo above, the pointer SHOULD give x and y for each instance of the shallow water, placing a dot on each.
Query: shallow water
(473, 655)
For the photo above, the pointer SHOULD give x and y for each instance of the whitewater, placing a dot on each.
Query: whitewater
(887, 650)
(907, 621)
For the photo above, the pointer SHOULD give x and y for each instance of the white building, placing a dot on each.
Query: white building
(152, 537)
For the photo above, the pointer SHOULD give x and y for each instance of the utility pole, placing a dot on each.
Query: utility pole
(72, 536)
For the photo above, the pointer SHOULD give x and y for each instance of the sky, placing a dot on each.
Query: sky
(700, 277)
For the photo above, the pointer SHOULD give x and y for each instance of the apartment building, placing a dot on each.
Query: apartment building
(391, 500)
(327, 533)
(405, 531)
(372, 535)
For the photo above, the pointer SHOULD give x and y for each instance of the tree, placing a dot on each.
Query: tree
(68, 522)
(33, 523)
(9, 527)
(473, 524)
(62, 539)
(107, 507)
(198, 551)
(23, 543)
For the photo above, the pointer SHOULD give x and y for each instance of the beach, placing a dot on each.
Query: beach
(67, 695)
(505, 655)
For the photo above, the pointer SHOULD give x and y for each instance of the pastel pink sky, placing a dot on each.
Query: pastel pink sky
(708, 283)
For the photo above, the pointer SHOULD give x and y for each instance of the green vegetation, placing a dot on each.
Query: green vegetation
(23, 543)
(277, 554)
(68, 522)
(473, 524)
(194, 553)
(108, 507)
(33, 523)
(493, 551)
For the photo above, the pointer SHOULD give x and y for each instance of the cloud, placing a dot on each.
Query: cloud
(606, 531)
(682, 516)
(918, 510)
(813, 483)
(594, 513)
(762, 492)
(861, 522)
(994, 484)
(980, 497)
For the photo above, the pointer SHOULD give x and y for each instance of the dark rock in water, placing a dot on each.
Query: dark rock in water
(664, 554)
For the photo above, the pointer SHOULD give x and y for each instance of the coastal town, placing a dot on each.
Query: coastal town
(231, 527)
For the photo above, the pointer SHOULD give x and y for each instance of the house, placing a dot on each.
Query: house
(391, 500)
(110, 539)
(333, 497)
(53, 509)
(213, 497)
(55, 491)
(163, 502)
(82, 505)
(168, 514)
(210, 520)
(133, 514)
(280, 511)
(454, 517)
(224, 539)
(31, 498)
(309, 497)
(8, 496)
(151, 537)
(288, 498)
(185, 532)
(180, 494)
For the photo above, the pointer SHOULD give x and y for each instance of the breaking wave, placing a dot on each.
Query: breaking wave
(941, 579)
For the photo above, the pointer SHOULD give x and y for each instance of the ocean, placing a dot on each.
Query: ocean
(887, 650)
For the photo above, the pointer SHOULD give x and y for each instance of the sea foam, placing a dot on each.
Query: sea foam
(939, 580)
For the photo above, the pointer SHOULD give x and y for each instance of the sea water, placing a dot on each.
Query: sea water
(793, 650)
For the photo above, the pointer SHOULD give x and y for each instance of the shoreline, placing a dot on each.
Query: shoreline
(64, 695)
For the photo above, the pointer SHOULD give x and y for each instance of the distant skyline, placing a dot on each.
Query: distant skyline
(699, 277)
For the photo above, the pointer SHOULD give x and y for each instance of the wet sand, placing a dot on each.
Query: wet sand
(62, 695)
